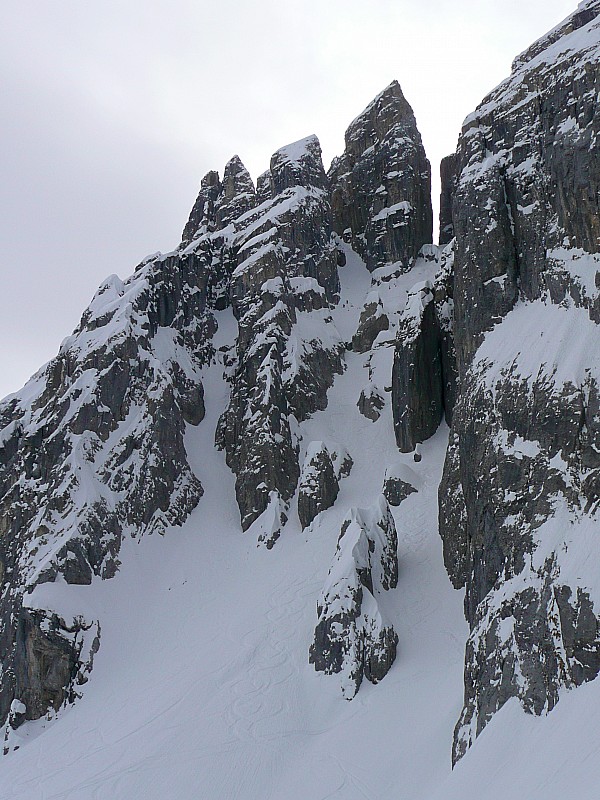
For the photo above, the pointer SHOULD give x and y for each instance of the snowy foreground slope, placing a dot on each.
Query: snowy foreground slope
(231, 505)
(202, 686)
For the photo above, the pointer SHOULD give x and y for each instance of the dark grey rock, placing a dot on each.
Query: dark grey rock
(524, 211)
(372, 322)
(417, 383)
(99, 433)
(318, 488)
(273, 521)
(516, 202)
(380, 645)
(201, 218)
(110, 411)
(49, 662)
(298, 164)
(395, 490)
(424, 375)
(220, 203)
(443, 295)
(237, 194)
(448, 179)
(381, 185)
(554, 642)
(263, 187)
(342, 462)
(286, 264)
(352, 640)
(371, 402)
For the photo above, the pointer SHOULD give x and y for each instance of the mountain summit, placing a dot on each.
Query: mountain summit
(310, 489)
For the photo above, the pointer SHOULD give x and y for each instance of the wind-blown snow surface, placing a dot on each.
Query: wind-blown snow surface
(202, 686)
(523, 757)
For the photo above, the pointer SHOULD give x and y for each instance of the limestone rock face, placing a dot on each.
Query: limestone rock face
(93, 449)
(352, 639)
(448, 179)
(424, 372)
(237, 195)
(496, 330)
(51, 661)
(297, 164)
(220, 203)
(283, 283)
(417, 376)
(443, 298)
(519, 201)
(319, 485)
(520, 486)
(508, 522)
(99, 436)
(381, 185)
(202, 215)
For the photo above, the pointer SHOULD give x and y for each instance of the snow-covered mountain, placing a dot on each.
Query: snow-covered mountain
(239, 509)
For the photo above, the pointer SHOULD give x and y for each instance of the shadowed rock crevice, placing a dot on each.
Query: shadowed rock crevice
(424, 377)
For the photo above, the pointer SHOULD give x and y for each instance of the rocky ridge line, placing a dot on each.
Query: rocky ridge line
(92, 450)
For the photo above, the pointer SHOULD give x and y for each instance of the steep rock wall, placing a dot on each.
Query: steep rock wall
(381, 185)
(520, 486)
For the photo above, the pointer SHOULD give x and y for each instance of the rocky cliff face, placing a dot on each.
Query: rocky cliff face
(494, 331)
(92, 450)
(520, 487)
(381, 198)
(424, 371)
(284, 280)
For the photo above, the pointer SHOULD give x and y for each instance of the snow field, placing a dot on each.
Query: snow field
(202, 686)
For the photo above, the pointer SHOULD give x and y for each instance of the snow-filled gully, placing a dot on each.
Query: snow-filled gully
(202, 685)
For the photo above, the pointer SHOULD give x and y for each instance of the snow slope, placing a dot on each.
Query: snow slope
(202, 686)
(521, 756)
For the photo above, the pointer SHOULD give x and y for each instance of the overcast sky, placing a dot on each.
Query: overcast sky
(112, 111)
